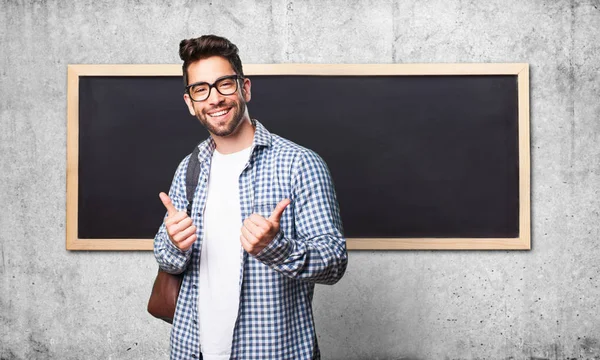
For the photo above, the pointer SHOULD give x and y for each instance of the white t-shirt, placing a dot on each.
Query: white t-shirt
(220, 260)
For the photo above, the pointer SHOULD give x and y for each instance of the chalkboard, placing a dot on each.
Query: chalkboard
(422, 156)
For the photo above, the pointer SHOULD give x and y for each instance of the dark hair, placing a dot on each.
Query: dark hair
(191, 50)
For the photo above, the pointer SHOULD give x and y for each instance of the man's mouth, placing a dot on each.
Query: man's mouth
(219, 113)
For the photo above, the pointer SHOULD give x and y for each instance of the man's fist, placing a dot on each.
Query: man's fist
(258, 232)
(180, 228)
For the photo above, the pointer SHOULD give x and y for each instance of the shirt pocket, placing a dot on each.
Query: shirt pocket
(286, 223)
(264, 209)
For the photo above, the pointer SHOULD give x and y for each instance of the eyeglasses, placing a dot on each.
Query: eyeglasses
(226, 85)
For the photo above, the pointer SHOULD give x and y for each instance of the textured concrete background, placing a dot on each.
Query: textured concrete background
(538, 304)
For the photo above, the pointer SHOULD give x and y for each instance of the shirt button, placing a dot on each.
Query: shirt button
(194, 356)
(195, 286)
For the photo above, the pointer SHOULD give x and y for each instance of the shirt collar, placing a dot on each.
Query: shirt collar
(262, 137)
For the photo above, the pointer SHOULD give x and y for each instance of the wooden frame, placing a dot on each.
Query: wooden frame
(523, 242)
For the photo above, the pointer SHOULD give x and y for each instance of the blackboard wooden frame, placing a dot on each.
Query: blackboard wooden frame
(520, 70)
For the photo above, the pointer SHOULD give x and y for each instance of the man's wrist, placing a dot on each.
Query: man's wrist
(277, 250)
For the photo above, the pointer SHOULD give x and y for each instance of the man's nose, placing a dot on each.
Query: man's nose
(214, 97)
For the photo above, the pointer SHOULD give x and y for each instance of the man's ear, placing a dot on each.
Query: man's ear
(246, 86)
(189, 104)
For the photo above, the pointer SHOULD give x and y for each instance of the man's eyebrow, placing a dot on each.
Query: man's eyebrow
(217, 79)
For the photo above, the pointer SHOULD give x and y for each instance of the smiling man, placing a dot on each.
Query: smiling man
(263, 229)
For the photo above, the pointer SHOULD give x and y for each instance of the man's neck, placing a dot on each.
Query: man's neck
(241, 139)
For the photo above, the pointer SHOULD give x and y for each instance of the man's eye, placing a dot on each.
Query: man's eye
(198, 89)
(226, 83)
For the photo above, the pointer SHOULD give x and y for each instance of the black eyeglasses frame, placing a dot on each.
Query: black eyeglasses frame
(213, 85)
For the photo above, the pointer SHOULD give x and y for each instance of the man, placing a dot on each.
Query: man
(264, 226)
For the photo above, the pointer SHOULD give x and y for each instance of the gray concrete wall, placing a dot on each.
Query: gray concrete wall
(541, 303)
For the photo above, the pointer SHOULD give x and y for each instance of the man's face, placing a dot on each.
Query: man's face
(220, 114)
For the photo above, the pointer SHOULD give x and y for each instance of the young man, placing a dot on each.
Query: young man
(264, 226)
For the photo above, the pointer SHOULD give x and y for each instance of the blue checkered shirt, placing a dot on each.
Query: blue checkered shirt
(275, 319)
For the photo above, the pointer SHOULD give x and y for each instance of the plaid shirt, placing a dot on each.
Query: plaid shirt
(275, 319)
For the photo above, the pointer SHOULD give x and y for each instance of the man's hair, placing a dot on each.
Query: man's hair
(191, 50)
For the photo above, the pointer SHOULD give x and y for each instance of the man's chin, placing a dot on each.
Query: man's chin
(221, 133)
(224, 130)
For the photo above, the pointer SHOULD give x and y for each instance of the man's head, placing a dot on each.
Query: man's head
(191, 50)
(216, 90)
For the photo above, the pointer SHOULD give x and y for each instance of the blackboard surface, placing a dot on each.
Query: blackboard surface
(411, 156)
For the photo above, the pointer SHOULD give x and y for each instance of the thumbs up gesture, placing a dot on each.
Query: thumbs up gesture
(180, 228)
(258, 232)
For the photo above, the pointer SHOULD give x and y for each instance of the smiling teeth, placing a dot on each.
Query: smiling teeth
(220, 113)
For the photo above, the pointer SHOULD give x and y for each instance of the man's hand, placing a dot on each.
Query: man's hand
(180, 228)
(258, 232)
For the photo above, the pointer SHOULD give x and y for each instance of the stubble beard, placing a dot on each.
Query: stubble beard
(239, 109)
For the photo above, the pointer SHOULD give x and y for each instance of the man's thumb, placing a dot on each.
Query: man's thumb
(166, 200)
(276, 214)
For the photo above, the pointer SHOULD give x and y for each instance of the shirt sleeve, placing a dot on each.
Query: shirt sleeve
(169, 257)
(318, 253)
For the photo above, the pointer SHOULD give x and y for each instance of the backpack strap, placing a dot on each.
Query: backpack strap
(191, 178)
